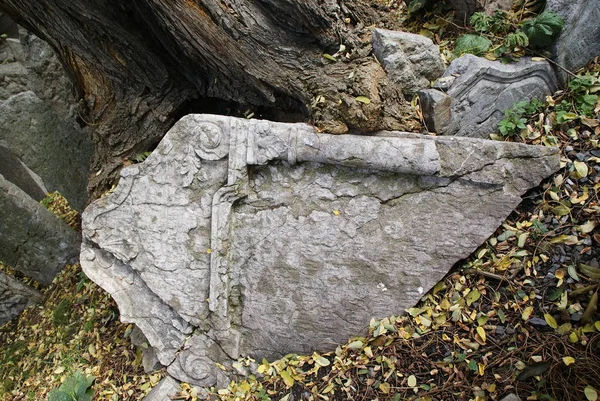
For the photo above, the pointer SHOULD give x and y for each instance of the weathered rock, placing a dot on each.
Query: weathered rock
(266, 238)
(33, 240)
(410, 60)
(436, 106)
(579, 41)
(464, 8)
(47, 77)
(480, 91)
(164, 391)
(13, 170)
(38, 117)
(48, 144)
(15, 297)
(13, 80)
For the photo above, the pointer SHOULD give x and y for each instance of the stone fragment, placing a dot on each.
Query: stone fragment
(33, 240)
(410, 60)
(435, 106)
(481, 91)
(15, 297)
(579, 41)
(13, 170)
(243, 237)
(465, 8)
(164, 391)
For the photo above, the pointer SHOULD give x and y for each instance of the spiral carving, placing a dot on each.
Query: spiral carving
(213, 142)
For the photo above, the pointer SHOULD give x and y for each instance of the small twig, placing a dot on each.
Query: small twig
(492, 276)
(553, 62)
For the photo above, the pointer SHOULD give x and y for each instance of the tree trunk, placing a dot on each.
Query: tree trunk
(139, 65)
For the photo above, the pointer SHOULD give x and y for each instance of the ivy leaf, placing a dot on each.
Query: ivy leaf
(542, 29)
(474, 44)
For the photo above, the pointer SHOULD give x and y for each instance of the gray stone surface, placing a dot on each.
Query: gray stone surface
(33, 240)
(15, 171)
(38, 118)
(15, 297)
(480, 91)
(48, 144)
(464, 8)
(244, 237)
(579, 41)
(411, 60)
(163, 391)
(13, 79)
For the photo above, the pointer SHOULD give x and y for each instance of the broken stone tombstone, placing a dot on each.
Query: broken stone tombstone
(579, 41)
(471, 97)
(411, 60)
(245, 237)
(15, 297)
(33, 241)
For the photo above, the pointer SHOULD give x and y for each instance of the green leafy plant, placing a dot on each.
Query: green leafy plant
(474, 44)
(76, 387)
(516, 117)
(501, 31)
(480, 22)
(514, 41)
(542, 29)
(139, 158)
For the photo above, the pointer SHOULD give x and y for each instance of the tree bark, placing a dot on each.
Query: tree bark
(139, 65)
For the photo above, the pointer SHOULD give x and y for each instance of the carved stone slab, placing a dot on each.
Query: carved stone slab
(244, 237)
(470, 98)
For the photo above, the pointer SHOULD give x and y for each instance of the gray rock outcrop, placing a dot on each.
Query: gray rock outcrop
(33, 241)
(15, 297)
(244, 237)
(411, 60)
(579, 41)
(38, 117)
(471, 97)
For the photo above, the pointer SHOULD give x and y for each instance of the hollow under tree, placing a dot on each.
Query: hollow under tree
(137, 66)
